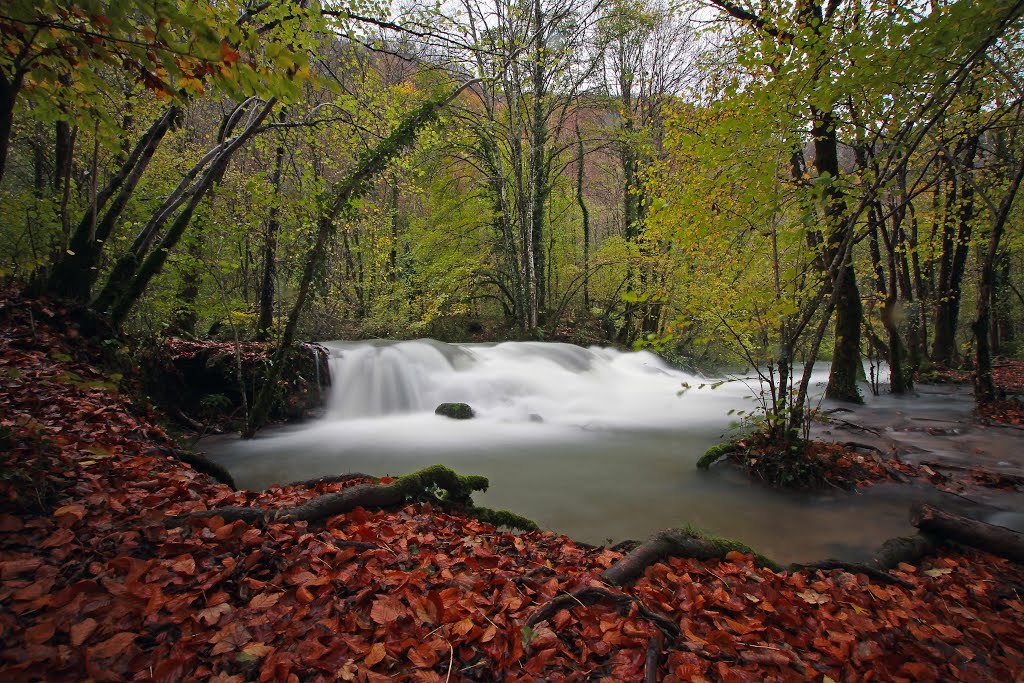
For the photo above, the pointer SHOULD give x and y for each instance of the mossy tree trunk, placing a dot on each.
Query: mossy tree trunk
(336, 204)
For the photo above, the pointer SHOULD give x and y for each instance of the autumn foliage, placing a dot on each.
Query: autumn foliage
(95, 585)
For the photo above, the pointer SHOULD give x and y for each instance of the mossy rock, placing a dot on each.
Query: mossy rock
(714, 454)
(456, 411)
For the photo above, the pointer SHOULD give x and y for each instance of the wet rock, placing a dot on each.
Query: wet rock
(456, 411)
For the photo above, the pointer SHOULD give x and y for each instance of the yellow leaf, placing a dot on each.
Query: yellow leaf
(257, 650)
(376, 654)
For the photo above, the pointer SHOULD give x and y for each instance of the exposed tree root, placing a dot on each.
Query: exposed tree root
(334, 479)
(651, 659)
(200, 463)
(855, 568)
(994, 539)
(437, 484)
(908, 549)
(863, 446)
(676, 543)
(853, 425)
(589, 595)
(505, 518)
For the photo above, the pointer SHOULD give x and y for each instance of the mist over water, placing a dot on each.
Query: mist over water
(595, 443)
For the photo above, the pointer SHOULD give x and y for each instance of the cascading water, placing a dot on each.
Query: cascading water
(514, 382)
(596, 443)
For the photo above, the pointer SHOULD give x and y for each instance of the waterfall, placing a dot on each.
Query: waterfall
(511, 382)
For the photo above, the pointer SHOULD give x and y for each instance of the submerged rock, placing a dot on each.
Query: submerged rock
(456, 411)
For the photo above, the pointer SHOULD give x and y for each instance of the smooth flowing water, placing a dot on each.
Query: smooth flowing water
(594, 443)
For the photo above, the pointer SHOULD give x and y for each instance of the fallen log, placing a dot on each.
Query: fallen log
(993, 539)
(437, 484)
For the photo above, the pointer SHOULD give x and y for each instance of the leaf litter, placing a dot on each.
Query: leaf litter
(93, 585)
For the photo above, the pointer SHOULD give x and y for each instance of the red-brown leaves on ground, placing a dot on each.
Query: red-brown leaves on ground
(93, 585)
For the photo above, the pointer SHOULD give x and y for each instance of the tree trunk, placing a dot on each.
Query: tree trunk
(585, 218)
(1002, 308)
(9, 90)
(75, 272)
(154, 263)
(338, 202)
(846, 363)
(64, 154)
(269, 274)
(538, 172)
(953, 264)
(123, 294)
(984, 387)
(183, 322)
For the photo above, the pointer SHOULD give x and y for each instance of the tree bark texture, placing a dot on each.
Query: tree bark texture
(953, 261)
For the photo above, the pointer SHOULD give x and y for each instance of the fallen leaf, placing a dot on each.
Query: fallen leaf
(375, 655)
(942, 571)
(386, 610)
(113, 646)
(812, 597)
(264, 600)
(81, 631)
(257, 650)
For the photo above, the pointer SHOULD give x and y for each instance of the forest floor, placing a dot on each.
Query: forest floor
(95, 584)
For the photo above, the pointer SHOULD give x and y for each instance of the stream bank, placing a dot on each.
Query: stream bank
(624, 428)
(93, 583)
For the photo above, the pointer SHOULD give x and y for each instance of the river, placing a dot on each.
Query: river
(594, 443)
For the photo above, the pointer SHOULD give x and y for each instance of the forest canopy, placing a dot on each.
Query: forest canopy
(722, 182)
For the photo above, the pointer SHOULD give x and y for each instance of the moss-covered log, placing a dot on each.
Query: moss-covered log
(437, 484)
